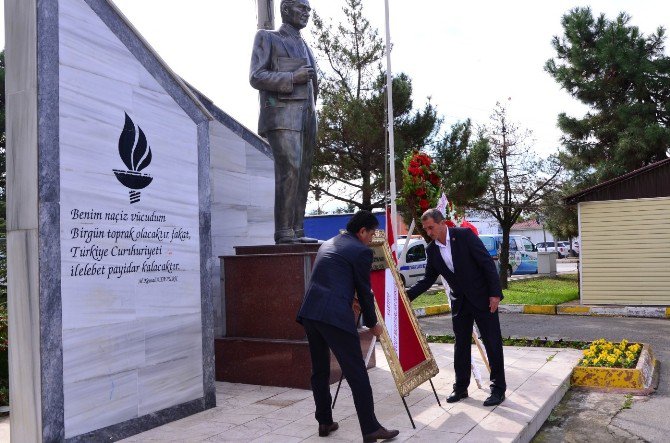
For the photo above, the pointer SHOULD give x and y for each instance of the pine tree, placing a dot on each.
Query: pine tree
(463, 162)
(350, 162)
(624, 78)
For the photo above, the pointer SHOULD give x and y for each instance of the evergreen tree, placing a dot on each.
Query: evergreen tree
(559, 218)
(624, 78)
(350, 161)
(463, 164)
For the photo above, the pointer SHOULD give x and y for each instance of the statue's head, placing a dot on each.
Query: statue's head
(295, 12)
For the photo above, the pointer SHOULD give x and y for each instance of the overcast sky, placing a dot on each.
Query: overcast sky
(465, 55)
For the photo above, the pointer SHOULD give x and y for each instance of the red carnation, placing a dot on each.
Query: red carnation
(421, 192)
(426, 160)
(434, 179)
(424, 204)
(414, 170)
(414, 164)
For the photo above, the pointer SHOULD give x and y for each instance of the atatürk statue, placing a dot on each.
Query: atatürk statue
(284, 71)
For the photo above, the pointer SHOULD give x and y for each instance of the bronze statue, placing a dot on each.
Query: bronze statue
(283, 69)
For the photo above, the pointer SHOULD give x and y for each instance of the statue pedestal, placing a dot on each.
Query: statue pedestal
(263, 288)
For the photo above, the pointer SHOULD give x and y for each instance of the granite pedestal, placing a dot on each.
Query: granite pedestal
(262, 289)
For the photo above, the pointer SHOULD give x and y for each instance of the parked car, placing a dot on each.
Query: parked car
(415, 261)
(522, 253)
(575, 247)
(549, 246)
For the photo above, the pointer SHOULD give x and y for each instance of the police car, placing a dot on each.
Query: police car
(415, 261)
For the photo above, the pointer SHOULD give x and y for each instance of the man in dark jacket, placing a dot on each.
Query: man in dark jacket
(341, 270)
(461, 258)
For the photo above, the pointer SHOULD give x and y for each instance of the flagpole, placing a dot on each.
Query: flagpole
(389, 109)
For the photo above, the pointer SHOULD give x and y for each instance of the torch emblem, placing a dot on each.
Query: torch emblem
(136, 155)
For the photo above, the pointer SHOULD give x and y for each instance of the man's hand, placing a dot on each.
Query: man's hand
(356, 307)
(377, 330)
(303, 75)
(493, 303)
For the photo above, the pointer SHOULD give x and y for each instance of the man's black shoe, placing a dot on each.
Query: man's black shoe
(456, 396)
(494, 399)
(381, 434)
(324, 430)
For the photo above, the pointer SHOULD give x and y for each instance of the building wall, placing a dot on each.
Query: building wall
(242, 181)
(625, 252)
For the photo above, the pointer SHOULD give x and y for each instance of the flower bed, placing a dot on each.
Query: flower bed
(625, 367)
(604, 354)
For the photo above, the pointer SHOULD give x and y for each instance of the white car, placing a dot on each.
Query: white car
(549, 246)
(414, 267)
(575, 246)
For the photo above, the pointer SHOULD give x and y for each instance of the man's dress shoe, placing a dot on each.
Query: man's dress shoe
(324, 430)
(381, 434)
(494, 399)
(456, 396)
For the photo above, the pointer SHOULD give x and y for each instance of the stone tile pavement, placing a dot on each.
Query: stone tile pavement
(537, 379)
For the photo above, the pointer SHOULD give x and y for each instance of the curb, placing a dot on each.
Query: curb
(596, 311)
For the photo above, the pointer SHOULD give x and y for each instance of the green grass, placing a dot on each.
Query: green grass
(532, 291)
(542, 291)
(439, 298)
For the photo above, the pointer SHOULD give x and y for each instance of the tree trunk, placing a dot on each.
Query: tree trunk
(503, 258)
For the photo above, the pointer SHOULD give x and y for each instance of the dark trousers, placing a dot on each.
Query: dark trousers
(293, 153)
(322, 338)
(489, 327)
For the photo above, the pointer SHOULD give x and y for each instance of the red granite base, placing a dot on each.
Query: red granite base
(272, 362)
(263, 288)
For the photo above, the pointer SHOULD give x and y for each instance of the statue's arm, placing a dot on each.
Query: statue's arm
(261, 75)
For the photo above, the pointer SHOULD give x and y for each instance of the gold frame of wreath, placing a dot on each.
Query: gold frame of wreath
(406, 381)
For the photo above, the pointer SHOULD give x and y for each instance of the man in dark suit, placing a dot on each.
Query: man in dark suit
(284, 71)
(341, 270)
(460, 257)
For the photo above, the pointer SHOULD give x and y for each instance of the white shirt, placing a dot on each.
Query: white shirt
(445, 252)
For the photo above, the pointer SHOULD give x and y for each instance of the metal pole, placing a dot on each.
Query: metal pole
(389, 104)
(266, 15)
(409, 414)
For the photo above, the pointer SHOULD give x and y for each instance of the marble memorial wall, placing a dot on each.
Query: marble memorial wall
(130, 252)
(242, 180)
(124, 186)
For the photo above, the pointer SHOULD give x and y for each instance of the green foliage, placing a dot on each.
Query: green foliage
(463, 164)
(559, 218)
(627, 402)
(350, 161)
(624, 78)
(525, 342)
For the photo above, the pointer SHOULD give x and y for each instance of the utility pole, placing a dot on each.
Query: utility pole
(266, 14)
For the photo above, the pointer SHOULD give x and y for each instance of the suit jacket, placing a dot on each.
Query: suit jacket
(278, 113)
(475, 277)
(341, 270)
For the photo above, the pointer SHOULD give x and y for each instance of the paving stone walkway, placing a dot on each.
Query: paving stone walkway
(537, 379)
